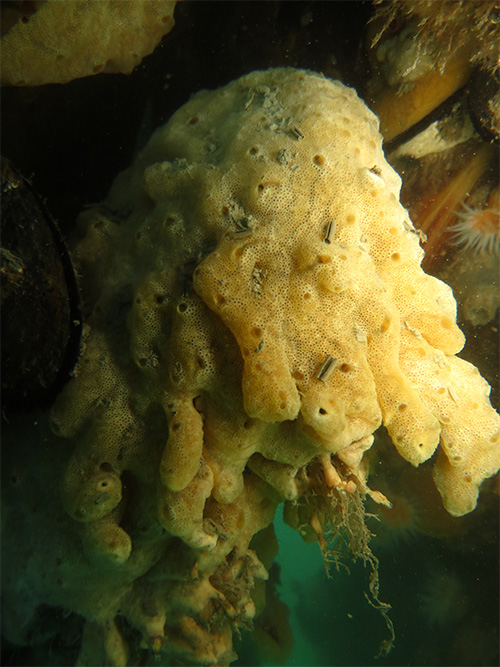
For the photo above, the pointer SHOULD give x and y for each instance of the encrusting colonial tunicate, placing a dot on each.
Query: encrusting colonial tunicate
(255, 305)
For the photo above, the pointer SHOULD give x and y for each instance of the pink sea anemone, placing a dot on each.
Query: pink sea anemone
(399, 522)
(479, 229)
(443, 598)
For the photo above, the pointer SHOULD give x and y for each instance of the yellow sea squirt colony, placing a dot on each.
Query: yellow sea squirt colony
(255, 302)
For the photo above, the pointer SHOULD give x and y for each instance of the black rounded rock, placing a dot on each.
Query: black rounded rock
(40, 314)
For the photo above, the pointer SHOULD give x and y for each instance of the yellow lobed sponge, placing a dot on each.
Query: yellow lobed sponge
(255, 304)
(64, 40)
(273, 200)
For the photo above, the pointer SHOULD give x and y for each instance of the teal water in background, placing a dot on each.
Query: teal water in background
(328, 615)
(444, 600)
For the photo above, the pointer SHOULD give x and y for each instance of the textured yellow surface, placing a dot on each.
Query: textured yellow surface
(255, 304)
(274, 198)
(69, 39)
